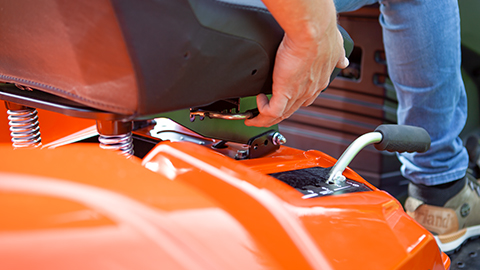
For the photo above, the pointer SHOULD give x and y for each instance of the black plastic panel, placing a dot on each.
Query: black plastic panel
(312, 182)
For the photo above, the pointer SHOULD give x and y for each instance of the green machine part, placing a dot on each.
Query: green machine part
(221, 129)
(469, 10)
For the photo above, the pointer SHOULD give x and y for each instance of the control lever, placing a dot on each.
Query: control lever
(220, 115)
(393, 138)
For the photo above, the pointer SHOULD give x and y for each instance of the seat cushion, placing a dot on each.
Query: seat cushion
(74, 49)
(139, 58)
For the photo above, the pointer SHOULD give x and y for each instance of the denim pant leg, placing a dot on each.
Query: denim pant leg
(422, 46)
(351, 5)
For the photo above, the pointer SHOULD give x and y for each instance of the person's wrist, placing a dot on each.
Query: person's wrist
(312, 32)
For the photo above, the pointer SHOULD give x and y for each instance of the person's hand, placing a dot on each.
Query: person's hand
(303, 66)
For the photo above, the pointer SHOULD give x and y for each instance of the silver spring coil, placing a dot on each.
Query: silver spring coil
(24, 128)
(123, 142)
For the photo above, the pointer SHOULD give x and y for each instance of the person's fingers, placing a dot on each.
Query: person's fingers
(270, 111)
(262, 102)
(309, 101)
(295, 106)
(343, 63)
(277, 105)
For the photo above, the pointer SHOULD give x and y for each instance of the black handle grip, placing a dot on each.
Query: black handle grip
(403, 138)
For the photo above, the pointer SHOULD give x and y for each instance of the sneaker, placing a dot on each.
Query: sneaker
(451, 214)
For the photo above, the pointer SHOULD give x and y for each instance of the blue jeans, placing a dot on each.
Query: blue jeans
(422, 46)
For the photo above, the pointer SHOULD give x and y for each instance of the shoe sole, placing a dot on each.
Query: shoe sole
(454, 245)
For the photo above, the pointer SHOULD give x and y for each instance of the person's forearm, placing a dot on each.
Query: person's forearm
(303, 20)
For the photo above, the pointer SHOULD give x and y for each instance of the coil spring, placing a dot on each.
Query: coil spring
(24, 128)
(123, 142)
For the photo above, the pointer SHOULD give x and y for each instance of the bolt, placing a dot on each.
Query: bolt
(241, 154)
(339, 178)
(278, 139)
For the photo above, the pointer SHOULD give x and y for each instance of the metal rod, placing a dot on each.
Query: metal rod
(219, 115)
(336, 173)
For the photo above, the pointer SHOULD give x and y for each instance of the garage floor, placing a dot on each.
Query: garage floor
(468, 257)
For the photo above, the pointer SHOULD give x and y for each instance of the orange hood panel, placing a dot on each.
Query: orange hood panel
(82, 207)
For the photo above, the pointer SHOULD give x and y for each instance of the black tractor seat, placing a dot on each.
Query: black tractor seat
(117, 61)
(139, 58)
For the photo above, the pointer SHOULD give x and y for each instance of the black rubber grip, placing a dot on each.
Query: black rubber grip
(403, 138)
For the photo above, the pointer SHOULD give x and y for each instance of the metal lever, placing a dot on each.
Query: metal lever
(227, 116)
(336, 173)
(393, 138)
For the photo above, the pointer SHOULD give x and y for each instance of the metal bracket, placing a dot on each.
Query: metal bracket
(262, 145)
